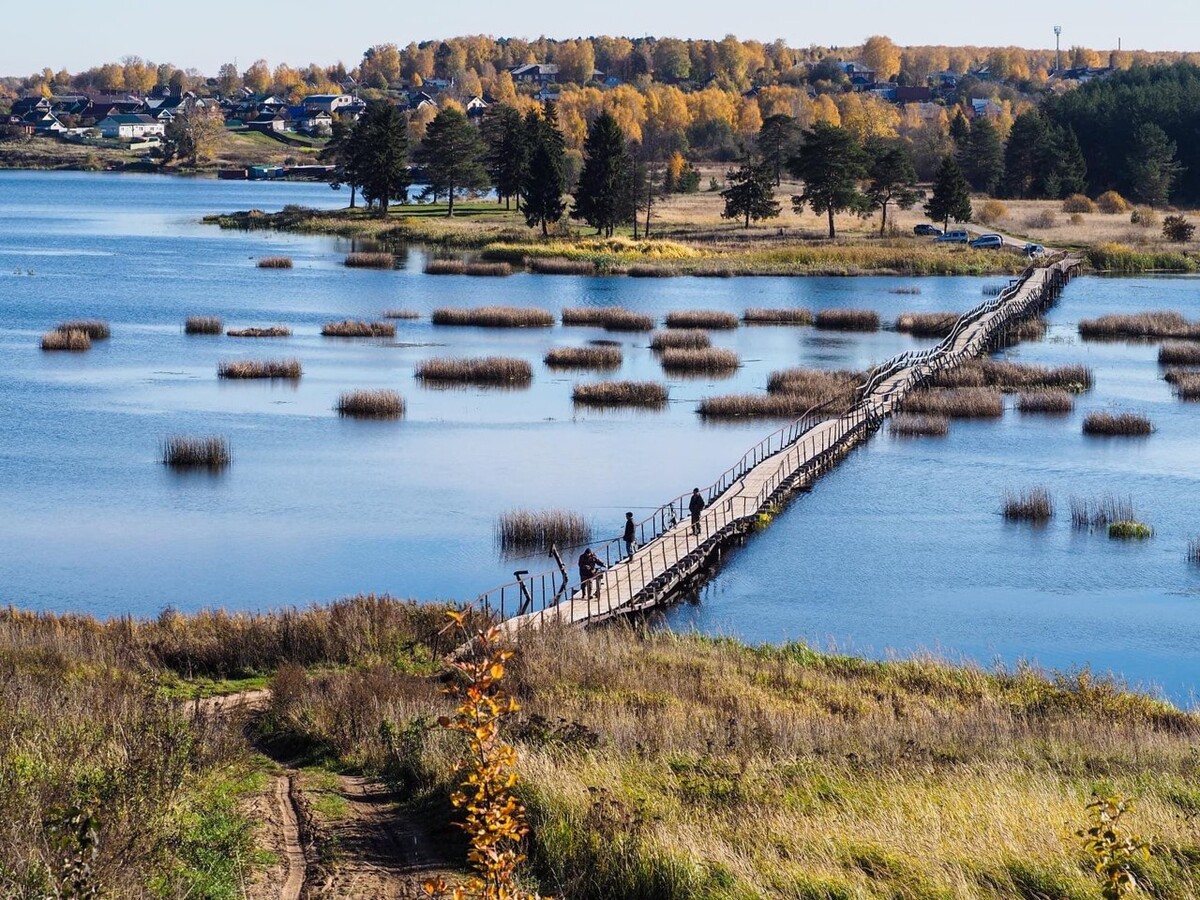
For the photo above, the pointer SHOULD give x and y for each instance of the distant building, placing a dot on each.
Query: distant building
(330, 103)
(912, 94)
(985, 109)
(535, 73)
(128, 126)
(476, 107)
(268, 121)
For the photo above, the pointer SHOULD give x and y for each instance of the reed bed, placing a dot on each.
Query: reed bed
(610, 318)
(354, 329)
(761, 315)
(837, 389)
(1025, 330)
(275, 331)
(1139, 326)
(1179, 355)
(370, 261)
(1130, 531)
(621, 393)
(754, 406)
(371, 404)
(701, 318)
(709, 360)
(1193, 551)
(203, 325)
(528, 529)
(268, 368)
(481, 370)
(909, 290)
(1047, 401)
(1102, 511)
(493, 317)
(464, 267)
(183, 452)
(96, 329)
(1012, 376)
(1173, 375)
(644, 271)
(847, 320)
(275, 262)
(1186, 384)
(555, 265)
(680, 338)
(66, 340)
(1106, 424)
(1034, 505)
(584, 358)
(906, 425)
(958, 403)
(401, 314)
(927, 324)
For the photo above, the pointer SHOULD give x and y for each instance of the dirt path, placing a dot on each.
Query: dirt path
(289, 832)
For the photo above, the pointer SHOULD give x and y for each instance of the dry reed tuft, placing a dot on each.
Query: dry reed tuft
(701, 318)
(759, 315)
(959, 403)
(1139, 326)
(620, 393)
(1025, 330)
(1047, 401)
(1179, 354)
(905, 425)
(464, 267)
(401, 314)
(370, 261)
(1106, 424)
(847, 320)
(644, 271)
(584, 358)
(755, 406)
(611, 318)
(527, 529)
(482, 370)
(493, 317)
(203, 325)
(275, 331)
(910, 290)
(707, 360)
(1033, 505)
(559, 266)
(1099, 512)
(96, 329)
(683, 338)
(354, 329)
(1012, 376)
(275, 262)
(836, 388)
(1193, 551)
(182, 452)
(1186, 384)
(66, 340)
(371, 404)
(927, 324)
(271, 368)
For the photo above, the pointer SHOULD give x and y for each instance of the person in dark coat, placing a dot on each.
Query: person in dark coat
(630, 534)
(589, 571)
(695, 507)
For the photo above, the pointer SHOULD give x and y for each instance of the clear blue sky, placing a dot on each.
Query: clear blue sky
(78, 34)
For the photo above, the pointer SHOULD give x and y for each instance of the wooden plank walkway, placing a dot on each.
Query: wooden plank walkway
(672, 552)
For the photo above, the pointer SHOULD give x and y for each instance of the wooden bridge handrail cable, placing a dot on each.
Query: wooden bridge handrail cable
(669, 553)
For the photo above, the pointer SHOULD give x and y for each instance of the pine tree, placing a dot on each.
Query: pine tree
(751, 193)
(951, 195)
(377, 156)
(545, 180)
(830, 163)
(893, 179)
(451, 156)
(507, 155)
(602, 198)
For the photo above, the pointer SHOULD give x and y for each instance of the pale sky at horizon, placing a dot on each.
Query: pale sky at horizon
(77, 36)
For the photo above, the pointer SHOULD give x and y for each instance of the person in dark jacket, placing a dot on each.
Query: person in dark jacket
(695, 507)
(589, 572)
(630, 534)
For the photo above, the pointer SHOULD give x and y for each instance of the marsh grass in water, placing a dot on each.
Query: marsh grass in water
(905, 425)
(620, 393)
(709, 360)
(481, 370)
(1046, 401)
(759, 315)
(1193, 551)
(559, 266)
(602, 358)
(371, 404)
(275, 262)
(682, 338)
(1010, 376)
(183, 452)
(611, 318)
(96, 329)
(354, 329)
(274, 331)
(370, 261)
(251, 368)
(493, 317)
(528, 529)
(203, 325)
(847, 320)
(1102, 511)
(66, 340)
(1185, 383)
(644, 271)
(701, 318)
(1130, 531)
(1139, 326)
(1034, 505)
(927, 324)
(959, 403)
(836, 388)
(1179, 355)
(1106, 424)
(464, 267)
(401, 314)
(754, 406)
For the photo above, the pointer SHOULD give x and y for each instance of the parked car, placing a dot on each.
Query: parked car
(988, 242)
(1034, 250)
(955, 236)
(927, 230)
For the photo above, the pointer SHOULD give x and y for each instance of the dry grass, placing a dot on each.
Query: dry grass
(1179, 355)
(641, 270)
(755, 406)
(1046, 401)
(203, 325)
(759, 315)
(96, 329)
(847, 320)
(371, 404)
(269, 368)
(959, 403)
(680, 338)
(1108, 424)
(584, 358)
(1025, 330)
(1186, 384)
(927, 324)
(480, 370)
(1100, 512)
(1033, 505)
(1013, 376)
(557, 266)
(401, 314)
(370, 260)
(709, 360)
(905, 425)
(493, 317)
(701, 318)
(610, 318)
(463, 267)
(523, 530)
(275, 331)
(621, 393)
(182, 452)
(837, 388)
(1139, 326)
(275, 262)
(354, 329)
(66, 340)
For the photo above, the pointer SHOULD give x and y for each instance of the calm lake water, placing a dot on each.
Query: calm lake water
(900, 548)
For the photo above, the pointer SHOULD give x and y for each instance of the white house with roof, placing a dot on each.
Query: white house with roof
(129, 126)
(330, 103)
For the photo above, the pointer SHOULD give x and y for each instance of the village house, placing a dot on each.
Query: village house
(330, 103)
(131, 126)
(534, 73)
(268, 121)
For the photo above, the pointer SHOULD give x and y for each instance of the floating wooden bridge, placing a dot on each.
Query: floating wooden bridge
(670, 554)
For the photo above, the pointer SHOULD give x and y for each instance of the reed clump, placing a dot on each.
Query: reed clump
(1130, 531)
(260, 368)
(906, 425)
(522, 530)
(958, 403)
(371, 404)
(1106, 424)
(183, 452)
(760, 315)
(908, 290)
(1045, 401)
(355, 329)
(1034, 505)
(96, 329)
(584, 358)
(1102, 511)
(754, 406)
(66, 340)
(1179, 355)
(401, 314)
(701, 318)
(1193, 551)
(1186, 384)
(480, 370)
(680, 338)
(1024, 330)
(927, 324)
(836, 390)
(641, 270)
(559, 266)
(847, 320)
(610, 318)
(203, 325)
(370, 261)
(1010, 376)
(464, 267)
(621, 393)
(493, 317)
(275, 262)
(709, 360)
(275, 331)
(1139, 326)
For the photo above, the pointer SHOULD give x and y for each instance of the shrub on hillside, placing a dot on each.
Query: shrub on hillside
(1042, 220)
(1178, 229)
(992, 211)
(1078, 203)
(1112, 203)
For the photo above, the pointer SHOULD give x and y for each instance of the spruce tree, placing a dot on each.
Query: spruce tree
(1150, 167)
(376, 158)
(507, 155)
(545, 179)
(960, 128)
(602, 197)
(451, 155)
(951, 195)
(751, 193)
(982, 157)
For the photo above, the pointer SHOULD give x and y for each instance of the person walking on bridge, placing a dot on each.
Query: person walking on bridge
(630, 536)
(589, 573)
(695, 507)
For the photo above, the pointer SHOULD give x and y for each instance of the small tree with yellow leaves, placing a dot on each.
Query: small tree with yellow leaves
(1112, 849)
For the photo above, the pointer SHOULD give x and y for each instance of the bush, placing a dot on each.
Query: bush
(1178, 229)
(1112, 203)
(1144, 216)
(1042, 220)
(1078, 203)
(1076, 219)
(992, 211)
